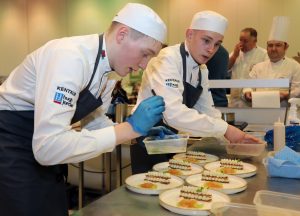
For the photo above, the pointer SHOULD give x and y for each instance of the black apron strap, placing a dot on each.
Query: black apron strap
(183, 54)
(86, 102)
(99, 54)
(190, 93)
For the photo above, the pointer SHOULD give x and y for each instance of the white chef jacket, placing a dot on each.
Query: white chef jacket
(243, 65)
(164, 75)
(62, 66)
(285, 68)
(245, 62)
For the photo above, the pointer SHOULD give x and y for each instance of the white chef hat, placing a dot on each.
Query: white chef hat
(143, 19)
(210, 21)
(279, 29)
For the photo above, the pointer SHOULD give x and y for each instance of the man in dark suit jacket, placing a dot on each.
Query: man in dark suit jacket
(218, 67)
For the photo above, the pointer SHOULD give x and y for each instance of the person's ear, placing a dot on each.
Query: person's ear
(286, 46)
(189, 34)
(122, 33)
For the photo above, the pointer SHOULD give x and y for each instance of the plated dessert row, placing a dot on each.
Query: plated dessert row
(204, 185)
(196, 157)
(184, 169)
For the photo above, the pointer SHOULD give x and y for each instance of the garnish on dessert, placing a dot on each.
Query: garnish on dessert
(189, 203)
(148, 185)
(175, 172)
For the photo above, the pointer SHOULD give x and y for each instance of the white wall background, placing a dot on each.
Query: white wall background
(27, 24)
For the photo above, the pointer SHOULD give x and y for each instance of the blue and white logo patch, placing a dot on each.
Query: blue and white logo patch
(173, 83)
(65, 98)
(58, 98)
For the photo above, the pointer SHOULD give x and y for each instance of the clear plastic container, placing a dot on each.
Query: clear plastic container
(253, 149)
(234, 209)
(284, 204)
(259, 134)
(170, 144)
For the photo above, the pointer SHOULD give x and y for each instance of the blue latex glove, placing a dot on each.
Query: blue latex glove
(160, 131)
(147, 114)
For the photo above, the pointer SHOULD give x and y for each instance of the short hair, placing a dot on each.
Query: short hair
(252, 31)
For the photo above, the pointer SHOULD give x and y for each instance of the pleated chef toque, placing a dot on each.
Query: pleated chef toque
(280, 29)
(210, 21)
(143, 19)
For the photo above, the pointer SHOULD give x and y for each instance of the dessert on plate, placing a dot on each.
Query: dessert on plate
(176, 166)
(196, 155)
(229, 166)
(214, 180)
(191, 195)
(153, 177)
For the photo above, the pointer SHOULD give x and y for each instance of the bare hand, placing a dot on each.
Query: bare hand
(236, 51)
(284, 95)
(235, 135)
(248, 96)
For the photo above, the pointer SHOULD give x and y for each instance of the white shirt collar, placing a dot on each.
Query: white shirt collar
(190, 59)
(104, 57)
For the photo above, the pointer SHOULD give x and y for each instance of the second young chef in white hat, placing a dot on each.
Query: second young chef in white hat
(180, 76)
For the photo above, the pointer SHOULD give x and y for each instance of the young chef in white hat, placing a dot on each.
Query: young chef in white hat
(174, 74)
(278, 65)
(63, 82)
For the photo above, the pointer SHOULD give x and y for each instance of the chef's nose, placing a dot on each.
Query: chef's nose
(211, 48)
(143, 64)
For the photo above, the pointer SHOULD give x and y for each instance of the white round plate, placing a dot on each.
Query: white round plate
(169, 199)
(236, 184)
(209, 158)
(133, 183)
(248, 171)
(164, 167)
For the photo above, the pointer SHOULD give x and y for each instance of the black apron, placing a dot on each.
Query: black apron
(190, 93)
(140, 160)
(26, 187)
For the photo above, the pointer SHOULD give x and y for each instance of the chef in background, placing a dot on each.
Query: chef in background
(278, 65)
(65, 81)
(245, 55)
(180, 76)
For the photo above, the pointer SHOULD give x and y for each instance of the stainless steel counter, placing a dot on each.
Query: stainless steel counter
(122, 202)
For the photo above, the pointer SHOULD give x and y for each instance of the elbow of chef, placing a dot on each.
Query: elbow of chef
(43, 153)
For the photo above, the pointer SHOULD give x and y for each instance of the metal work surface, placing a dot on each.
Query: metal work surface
(122, 202)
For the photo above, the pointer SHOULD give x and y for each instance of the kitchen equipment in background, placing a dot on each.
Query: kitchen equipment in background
(265, 99)
(229, 117)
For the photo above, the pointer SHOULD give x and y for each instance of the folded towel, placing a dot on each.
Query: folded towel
(288, 154)
(285, 163)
